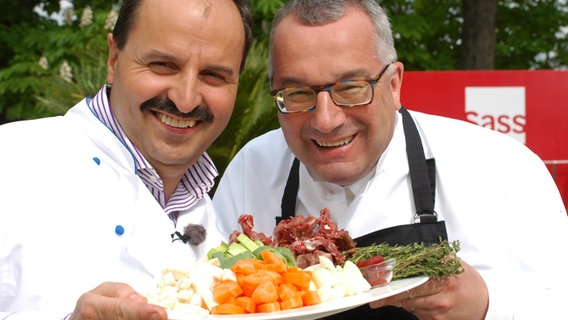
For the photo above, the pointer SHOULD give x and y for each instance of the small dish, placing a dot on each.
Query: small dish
(380, 273)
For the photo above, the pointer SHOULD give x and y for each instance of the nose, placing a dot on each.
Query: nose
(185, 92)
(327, 116)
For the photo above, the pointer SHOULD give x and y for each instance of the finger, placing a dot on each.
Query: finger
(390, 301)
(103, 308)
(408, 304)
(118, 290)
(134, 310)
(115, 301)
(430, 287)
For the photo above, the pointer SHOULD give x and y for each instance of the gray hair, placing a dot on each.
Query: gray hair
(320, 12)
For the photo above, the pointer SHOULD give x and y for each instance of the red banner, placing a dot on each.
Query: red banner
(531, 106)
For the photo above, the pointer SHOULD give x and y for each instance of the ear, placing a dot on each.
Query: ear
(396, 81)
(112, 58)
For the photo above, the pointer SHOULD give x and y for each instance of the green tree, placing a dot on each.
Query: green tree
(532, 34)
(254, 111)
(426, 32)
(528, 34)
(52, 66)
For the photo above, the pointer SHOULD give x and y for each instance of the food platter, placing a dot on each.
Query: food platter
(323, 309)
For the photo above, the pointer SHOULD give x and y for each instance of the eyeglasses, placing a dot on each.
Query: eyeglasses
(347, 93)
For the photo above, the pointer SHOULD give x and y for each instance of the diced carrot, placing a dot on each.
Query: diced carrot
(246, 266)
(310, 298)
(292, 303)
(300, 279)
(271, 257)
(265, 292)
(258, 263)
(247, 303)
(248, 289)
(227, 308)
(295, 269)
(254, 279)
(275, 267)
(274, 276)
(268, 307)
(266, 285)
(287, 291)
(226, 289)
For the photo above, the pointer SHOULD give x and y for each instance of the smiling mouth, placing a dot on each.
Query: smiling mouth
(176, 123)
(333, 144)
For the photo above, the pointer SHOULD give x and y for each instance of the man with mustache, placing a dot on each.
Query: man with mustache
(391, 175)
(95, 203)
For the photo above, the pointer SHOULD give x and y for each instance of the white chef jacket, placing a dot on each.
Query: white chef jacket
(67, 184)
(496, 197)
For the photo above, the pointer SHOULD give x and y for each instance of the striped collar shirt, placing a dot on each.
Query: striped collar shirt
(195, 183)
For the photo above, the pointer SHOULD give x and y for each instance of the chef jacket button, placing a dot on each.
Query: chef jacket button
(97, 160)
(119, 230)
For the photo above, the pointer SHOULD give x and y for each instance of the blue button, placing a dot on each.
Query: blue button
(119, 230)
(97, 160)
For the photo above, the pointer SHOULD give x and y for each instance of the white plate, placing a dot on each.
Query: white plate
(323, 309)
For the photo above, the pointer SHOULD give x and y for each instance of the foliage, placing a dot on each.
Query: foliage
(426, 32)
(532, 34)
(254, 111)
(54, 66)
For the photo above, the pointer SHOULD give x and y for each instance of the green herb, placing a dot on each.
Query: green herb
(436, 260)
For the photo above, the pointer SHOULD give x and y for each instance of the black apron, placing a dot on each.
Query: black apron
(426, 229)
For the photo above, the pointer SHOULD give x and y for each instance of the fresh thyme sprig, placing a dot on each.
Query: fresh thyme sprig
(436, 260)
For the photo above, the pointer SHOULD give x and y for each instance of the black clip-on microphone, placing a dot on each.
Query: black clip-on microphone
(192, 233)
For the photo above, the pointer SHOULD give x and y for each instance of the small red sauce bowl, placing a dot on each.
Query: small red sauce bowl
(379, 274)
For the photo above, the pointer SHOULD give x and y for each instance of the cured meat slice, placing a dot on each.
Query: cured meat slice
(246, 221)
(307, 237)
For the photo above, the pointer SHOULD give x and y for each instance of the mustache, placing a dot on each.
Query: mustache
(201, 112)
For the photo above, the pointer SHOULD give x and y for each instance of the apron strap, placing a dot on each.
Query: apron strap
(426, 229)
(420, 176)
(288, 204)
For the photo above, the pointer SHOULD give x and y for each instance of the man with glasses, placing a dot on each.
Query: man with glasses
(389, 175)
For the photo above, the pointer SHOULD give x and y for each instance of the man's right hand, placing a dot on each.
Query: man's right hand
(112, 300)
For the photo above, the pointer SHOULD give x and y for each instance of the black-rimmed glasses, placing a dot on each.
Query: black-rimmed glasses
(346, 93)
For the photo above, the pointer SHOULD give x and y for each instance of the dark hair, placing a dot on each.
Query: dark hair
(127, 17)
